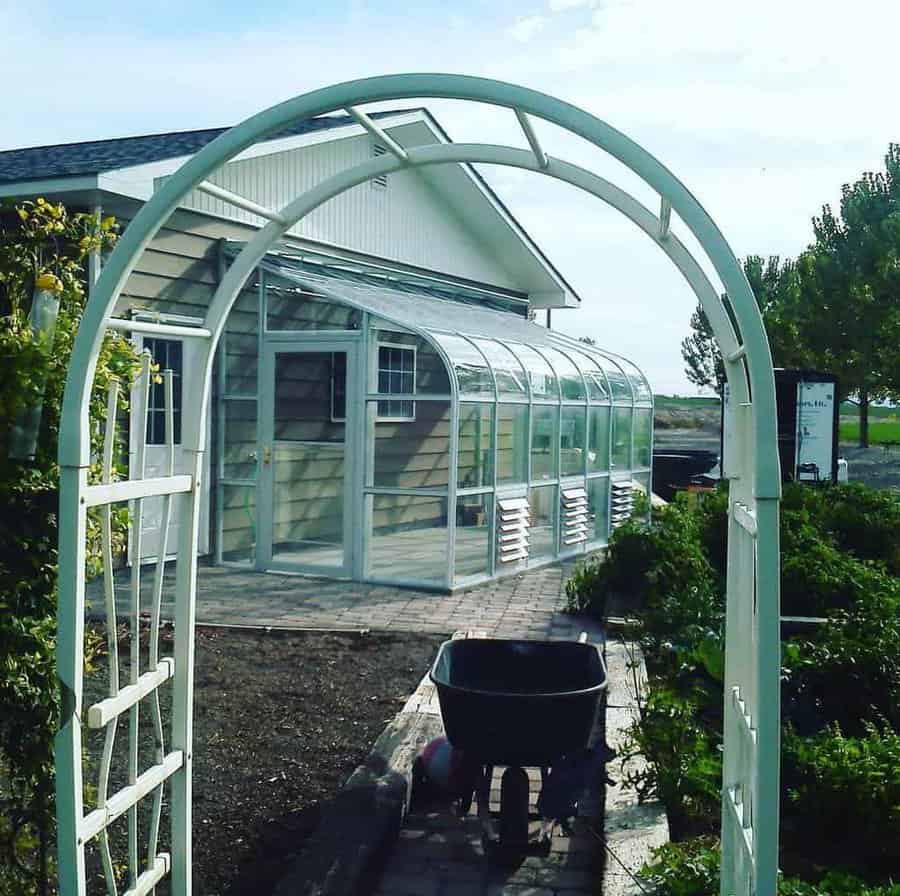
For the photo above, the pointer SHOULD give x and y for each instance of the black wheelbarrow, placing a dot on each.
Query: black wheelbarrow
(518, 703)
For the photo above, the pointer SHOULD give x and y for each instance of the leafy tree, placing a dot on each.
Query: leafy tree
(43, 249)
(850, 280)
(701, 354)
(776, 287)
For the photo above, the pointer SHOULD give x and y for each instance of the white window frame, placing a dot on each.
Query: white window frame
(411, 418)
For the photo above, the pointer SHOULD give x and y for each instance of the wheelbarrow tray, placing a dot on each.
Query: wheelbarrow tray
(513, 702)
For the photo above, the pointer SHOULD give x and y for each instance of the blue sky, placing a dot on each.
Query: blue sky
(763, 109)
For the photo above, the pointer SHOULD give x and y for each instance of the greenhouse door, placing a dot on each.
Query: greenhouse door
(305, 511)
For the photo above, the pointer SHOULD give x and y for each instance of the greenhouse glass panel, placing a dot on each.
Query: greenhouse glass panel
(544, 441)
(241, 345)
(598, 390)
(408, 539)
(621, 388)
(240, 440)
(508, 371)
(641, 483)
(293, 308)
(512, 443)
(598, 508)
(540, 373)
(238, 523)
(473, 530)
(475, 461)
(414, 453)
(621, 448)
(544, 510)
(642, 393)
(598, 439)
(643, 435)
(572, 441)
(570, 381)
(472, 371)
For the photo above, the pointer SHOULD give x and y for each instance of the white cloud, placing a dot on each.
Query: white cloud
(566, 5)
(527, 28)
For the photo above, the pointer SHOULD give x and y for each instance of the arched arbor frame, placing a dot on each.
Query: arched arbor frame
(750, 791)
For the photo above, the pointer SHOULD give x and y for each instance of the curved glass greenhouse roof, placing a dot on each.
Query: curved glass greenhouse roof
(490, 353)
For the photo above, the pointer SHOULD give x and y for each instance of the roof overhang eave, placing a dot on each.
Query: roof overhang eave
(554, 298)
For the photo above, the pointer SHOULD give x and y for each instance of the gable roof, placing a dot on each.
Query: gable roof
(96, 156)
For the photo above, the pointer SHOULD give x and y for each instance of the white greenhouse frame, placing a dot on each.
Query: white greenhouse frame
(750, 791)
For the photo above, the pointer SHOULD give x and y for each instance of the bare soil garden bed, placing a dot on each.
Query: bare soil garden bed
(280, 721)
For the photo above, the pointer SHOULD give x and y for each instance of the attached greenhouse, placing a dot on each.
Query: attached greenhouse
(404, 430)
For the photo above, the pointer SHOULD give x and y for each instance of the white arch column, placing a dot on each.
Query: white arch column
(750, 791)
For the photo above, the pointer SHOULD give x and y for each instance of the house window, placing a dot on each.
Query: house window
(168, 354)
(396, 376)
(338, 387)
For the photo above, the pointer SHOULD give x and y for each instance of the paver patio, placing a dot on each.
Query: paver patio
(527, 606)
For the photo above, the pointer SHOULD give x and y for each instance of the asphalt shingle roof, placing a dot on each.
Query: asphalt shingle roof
(95, 156)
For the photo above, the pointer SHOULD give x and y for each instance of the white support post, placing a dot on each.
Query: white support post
(181, 814)
(70, 669)
(381, 135)
(543, 159)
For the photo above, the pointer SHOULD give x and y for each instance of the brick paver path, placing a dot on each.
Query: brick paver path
(527, 605)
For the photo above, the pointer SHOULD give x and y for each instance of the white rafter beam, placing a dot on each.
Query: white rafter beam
(379, 133)
(238, 201)
(151, 329)
(665, 218)
(543, 159)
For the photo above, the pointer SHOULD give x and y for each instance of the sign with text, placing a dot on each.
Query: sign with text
(815, 430)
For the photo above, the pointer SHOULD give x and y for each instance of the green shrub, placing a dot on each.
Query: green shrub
(39, 241)
(862, 520)
(684, 763)
(843, 790)
(849, 673)
(691, 868)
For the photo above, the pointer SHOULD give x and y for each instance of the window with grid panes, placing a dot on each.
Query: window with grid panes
(168, 354)
(396, 376)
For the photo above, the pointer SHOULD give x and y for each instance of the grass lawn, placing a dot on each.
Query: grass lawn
(881, 430)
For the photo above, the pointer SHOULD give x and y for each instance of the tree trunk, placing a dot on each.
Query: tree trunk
(863, 418)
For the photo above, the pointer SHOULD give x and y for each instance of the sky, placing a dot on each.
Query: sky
(763, 109)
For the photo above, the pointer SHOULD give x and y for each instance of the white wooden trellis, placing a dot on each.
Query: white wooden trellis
(750, 787)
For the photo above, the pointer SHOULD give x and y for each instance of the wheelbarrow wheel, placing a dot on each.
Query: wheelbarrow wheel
(514, 809)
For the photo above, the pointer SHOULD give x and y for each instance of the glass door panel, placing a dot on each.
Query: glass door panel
(305, 462)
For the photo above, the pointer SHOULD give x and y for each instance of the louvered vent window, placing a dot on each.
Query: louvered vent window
(379, 182)
(621, 503)
(513, 522)
(573, 528)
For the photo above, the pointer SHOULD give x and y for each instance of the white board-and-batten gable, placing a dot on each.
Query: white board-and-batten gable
(444, 219)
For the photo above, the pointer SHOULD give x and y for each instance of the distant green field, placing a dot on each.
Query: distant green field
(880, 430)
(676, 401)
(849, 409)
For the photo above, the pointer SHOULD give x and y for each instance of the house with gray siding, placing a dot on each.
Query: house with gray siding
(386, 407)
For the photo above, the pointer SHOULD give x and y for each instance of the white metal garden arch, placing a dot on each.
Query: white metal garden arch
(750, 791)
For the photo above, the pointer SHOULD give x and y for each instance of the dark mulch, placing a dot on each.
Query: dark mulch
(280, 721)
